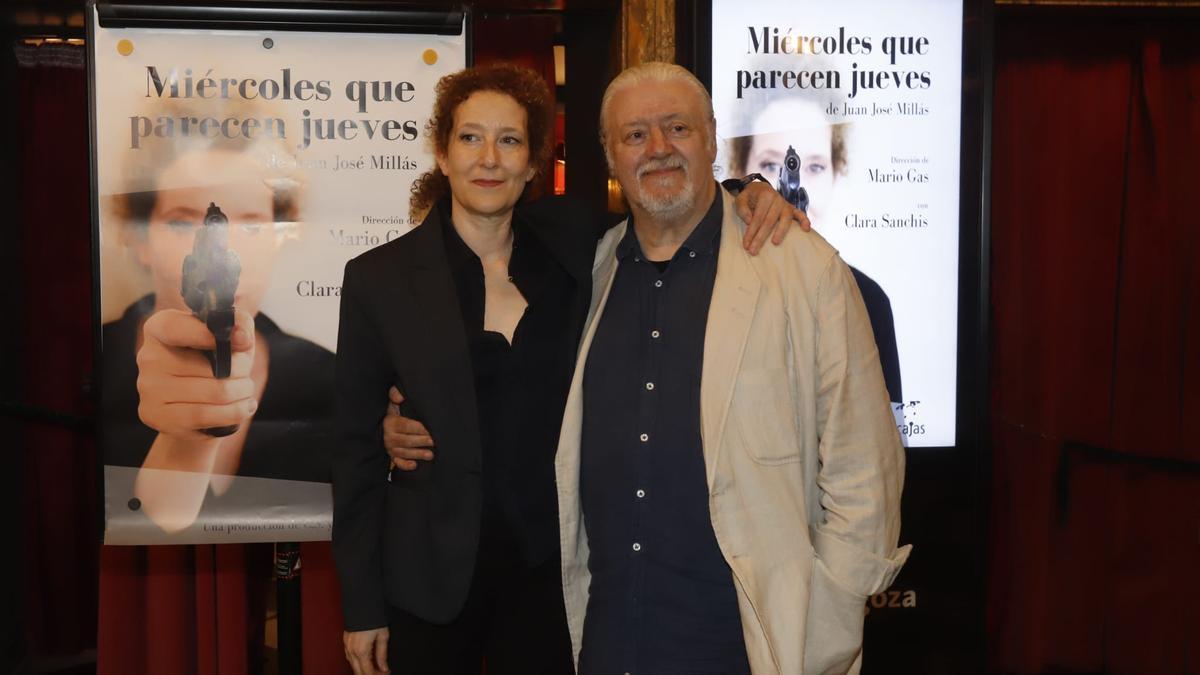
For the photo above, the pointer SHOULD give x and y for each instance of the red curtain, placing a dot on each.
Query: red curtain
(1096, 346)
(59, 462)
(200, 609)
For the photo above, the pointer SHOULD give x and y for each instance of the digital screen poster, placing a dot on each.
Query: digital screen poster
(236, 172)
(859, 103)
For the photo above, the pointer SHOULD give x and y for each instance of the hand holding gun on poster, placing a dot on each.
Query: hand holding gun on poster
(190, 408)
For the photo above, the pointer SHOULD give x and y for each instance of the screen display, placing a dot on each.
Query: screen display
(858, 102)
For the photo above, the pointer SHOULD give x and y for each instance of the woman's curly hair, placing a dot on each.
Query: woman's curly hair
(524, 85)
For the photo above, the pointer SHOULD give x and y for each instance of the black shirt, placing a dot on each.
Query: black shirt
(515, 388)
(662, 598)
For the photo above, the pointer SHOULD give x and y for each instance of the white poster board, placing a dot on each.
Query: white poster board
(308, 142)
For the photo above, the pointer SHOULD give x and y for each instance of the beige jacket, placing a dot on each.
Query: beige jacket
(803, 459)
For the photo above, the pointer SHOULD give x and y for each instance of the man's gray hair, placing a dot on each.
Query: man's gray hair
(651, 71)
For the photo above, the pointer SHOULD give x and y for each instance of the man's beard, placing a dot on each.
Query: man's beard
(665, 205)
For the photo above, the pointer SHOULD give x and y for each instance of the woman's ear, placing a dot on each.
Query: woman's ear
(442, 161)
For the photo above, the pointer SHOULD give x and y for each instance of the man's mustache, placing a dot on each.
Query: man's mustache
(673, 162)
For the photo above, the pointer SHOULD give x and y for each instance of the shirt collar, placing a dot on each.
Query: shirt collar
(703, 240)
(458, 253)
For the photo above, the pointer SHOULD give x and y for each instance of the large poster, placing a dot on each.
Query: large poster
(858, 102)
(236, 172)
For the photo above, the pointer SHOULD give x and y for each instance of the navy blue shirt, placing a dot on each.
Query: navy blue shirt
(662, 599)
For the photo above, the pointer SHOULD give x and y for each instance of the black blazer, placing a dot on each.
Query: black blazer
(411, 541)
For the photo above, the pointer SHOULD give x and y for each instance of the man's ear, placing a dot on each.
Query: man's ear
(712, 141)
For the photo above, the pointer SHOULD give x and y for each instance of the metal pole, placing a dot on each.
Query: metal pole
(287, 604)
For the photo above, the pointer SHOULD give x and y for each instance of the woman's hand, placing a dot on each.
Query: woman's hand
(766, 214)
(366, 650)
(178, 395)
(406, 440)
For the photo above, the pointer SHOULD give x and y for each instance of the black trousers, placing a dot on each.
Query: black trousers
(513, 621)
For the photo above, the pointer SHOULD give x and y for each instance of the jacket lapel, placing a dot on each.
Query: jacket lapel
(572, 538)
(575, 252)
(603, 271)
(442, 387)
(730, 313)
(565, 248)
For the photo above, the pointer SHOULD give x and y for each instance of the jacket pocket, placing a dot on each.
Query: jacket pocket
(834, 629)
(765, 415)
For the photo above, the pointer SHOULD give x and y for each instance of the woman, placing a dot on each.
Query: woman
(475, 316)
(159, 394)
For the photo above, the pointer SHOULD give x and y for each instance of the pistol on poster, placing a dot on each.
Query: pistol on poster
(210, 281)
(789, 181)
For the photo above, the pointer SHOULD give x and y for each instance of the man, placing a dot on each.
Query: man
(729, 471)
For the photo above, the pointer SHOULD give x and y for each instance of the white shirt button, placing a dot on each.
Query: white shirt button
(650, 386)
(641, 494)
(658, 284)
(654, 334)
(637, 547)
(644, 437)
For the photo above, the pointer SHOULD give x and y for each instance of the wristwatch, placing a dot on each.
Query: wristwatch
(736, 185)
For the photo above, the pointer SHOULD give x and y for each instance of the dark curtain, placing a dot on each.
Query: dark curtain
(59, 456)
(1096, 345)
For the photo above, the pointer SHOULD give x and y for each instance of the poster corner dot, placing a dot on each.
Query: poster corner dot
(124, 47)
(429, 56)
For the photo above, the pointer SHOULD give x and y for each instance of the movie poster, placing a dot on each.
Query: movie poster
(236, 173)
(858, 102)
